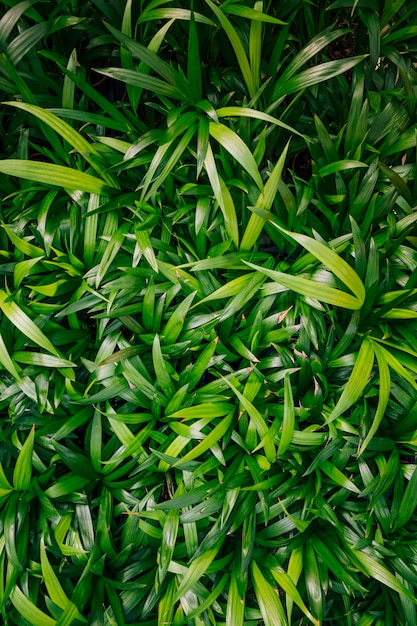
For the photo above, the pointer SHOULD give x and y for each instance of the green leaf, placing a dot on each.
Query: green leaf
(237, 46)
(286, 583)
(234, 111)
(169, 538)
(174, 325)
(6, 360)
(208, 410)
(196, 570)
(338, 477)
(23, 245)
(383, 396)
(264, 202)
(223, 197)
(29, 37)
(408, 503)
(237, 148)
(330, 259)
(214, 437)
(375, 570)
(139, 79)
(55, 175)
(312, 580)
(28, 610)
(193, 58)
(268, 599)
(22, 474)
(311, 288)
(316, 74)
(145, 247)
(55, 590)
(340, 166)
(164, 69)
(77, 141)
(10, 19)
(257, 419)
(357, 381)
(251, 14)
(39, 358)
(25, 324)
(162, 375)
(289, 417)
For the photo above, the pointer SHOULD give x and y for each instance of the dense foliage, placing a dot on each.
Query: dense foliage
(208, 313)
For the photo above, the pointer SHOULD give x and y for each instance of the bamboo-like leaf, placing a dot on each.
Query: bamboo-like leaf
(23, 245)
(237, 148)
(164, 69)
(77, 141)
(201, 365)
(111, 250)
(375, 570)
(161, 371)
(255, 44)
(145, 246)
(408, 503)
(68, 88)
(55, 590)
(193, 61)
(338, 477)
(357, 380)
(29, 37)
(315, 75)
(287, 584)
(341, 166)
(169, 165)
(209, 441)
(228, 290)
(330, 259)
(39, 358)
(209, 410)
(169, 537)
(174, 325)
(196, 570)
(251, 14)
(311, 288)
(51, 174)
(235, 611)
(223, 197)
(268, 599)
(22, 474)
(7, 362)
(312, 580)
(237, 46)
(264, 201)
(383, 397)
(9, 20)
(140, 79)
(258, 421)
(234, 111)
(28, 610)
(23, 323)
(289, 417)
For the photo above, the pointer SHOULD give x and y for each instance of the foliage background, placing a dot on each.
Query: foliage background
(208, 312)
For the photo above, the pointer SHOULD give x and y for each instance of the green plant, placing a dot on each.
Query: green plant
(208, 362)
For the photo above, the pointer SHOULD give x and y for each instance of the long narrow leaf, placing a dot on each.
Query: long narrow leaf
(311, 288)
(23, 323)
(52, 174)
(357, 380)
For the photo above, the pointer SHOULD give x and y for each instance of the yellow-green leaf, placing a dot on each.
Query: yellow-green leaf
(22, 473)
(23, 323)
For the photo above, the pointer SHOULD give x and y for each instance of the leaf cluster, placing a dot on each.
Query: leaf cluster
(208, 313)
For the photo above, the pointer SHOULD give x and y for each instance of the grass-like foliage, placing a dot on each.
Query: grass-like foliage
(208, 313)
